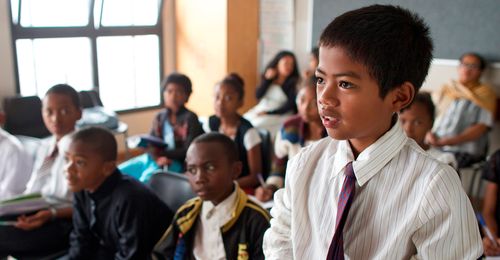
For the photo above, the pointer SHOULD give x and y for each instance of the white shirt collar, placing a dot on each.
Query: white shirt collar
(221, 210)
(373, 158)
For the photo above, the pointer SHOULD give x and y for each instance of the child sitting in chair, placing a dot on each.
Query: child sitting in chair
(221, 223)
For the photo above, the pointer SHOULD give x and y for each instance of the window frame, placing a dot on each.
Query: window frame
(92, 32)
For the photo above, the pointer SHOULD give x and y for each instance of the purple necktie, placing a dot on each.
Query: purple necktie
(336, 250)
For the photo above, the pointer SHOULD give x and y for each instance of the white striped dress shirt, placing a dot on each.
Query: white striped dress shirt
(407, 204)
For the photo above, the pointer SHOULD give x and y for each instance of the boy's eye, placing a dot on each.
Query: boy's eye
(80, 163)
(191, 170)
(319, 80)
(209, 167)
(345, 84)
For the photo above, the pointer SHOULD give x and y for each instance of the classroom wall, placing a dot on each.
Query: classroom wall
(456, 26)
(7, 73)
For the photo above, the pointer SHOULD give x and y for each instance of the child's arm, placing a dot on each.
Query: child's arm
(290, 105)
(277, 239)
(255, 167)
(166, 246)
(258, 226)
(446, 224)
(262, 88)
(194, 130)
(82, 243)
(41, 218)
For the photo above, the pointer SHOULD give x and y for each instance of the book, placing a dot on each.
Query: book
(144, 141)
(30, 202)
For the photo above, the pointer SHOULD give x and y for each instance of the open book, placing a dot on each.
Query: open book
(29, 203)
(144, 141)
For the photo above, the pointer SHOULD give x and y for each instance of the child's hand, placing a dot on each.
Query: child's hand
(163, 160)
(261, 113)
(34, 221)
(489, 248)
(270, 73)
(154, 151)
(432, 139)
(264, 194)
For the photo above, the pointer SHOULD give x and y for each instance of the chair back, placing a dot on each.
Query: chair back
(24, 116)
(89, 98)
(172, 188)
(266, 151)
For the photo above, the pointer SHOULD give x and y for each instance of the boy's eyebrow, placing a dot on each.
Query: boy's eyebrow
(351, 74)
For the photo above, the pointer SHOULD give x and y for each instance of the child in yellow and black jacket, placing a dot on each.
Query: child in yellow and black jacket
(222, 212)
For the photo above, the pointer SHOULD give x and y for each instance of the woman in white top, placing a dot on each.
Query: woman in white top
(228, 99)
(276, 93)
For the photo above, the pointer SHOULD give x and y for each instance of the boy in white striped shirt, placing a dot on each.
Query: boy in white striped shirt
(405, 204)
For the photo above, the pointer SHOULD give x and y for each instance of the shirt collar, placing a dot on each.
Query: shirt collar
(220, 211)
(373, 158)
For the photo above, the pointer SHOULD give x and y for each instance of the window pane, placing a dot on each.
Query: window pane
(54, 13)
(130, 12)
(43, 63)
(129, 66)
(14, 6)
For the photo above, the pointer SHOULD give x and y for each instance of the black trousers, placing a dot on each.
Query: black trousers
(50, 238)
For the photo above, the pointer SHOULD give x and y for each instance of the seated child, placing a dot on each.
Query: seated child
(276, 93)
(228, 99)
(15, 164)
(491, 205)
(368, 191)
(417, 120)
(115, 216)
(222, 223)
(298, 131)
(175, 124)
(47, 230)
(313, 63)
(466, 113)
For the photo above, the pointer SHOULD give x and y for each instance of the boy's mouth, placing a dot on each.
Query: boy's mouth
(329, 122)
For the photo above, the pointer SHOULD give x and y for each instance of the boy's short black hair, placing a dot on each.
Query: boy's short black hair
(67, 90)
(179, 79)
(229, 146)
(236, 82)
(391, 42)
(101, 140)
(425, 99)
(482, 61)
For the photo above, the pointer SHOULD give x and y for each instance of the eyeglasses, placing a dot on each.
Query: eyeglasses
(471, 66)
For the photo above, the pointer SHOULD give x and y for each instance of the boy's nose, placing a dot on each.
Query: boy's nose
(327, 96)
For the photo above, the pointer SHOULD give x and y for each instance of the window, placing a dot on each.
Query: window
(113, 46)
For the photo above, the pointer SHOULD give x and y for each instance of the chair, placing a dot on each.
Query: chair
(172, 188)
(24, 116)
(89, 99)
(266, 151)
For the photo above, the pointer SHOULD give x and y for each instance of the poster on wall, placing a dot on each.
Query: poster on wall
(277, 18)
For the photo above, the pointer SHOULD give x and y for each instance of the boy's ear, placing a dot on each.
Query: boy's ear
(109, 167)
(237, 168)
(402, 96)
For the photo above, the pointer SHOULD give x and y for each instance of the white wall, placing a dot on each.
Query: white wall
(7, 74)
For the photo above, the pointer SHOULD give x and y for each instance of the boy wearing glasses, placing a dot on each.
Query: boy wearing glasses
(221, 223)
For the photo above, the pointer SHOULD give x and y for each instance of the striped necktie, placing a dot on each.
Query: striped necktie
(336, 250)
(48, 162)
